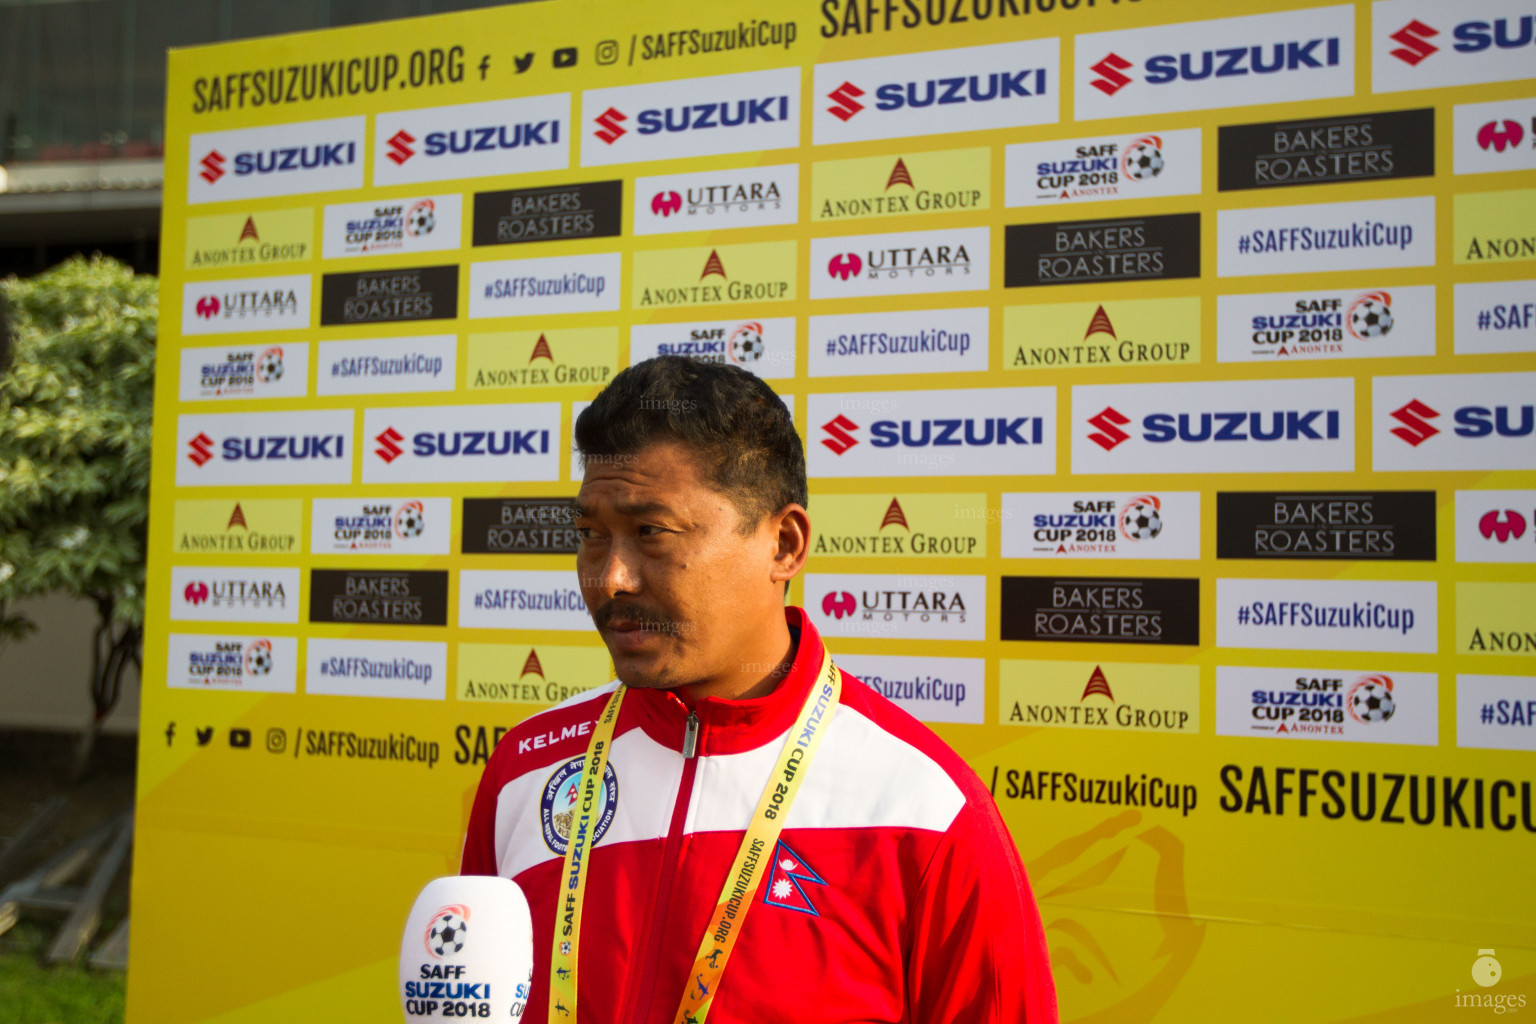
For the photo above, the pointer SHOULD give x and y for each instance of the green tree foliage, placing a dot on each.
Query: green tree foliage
(75, 409)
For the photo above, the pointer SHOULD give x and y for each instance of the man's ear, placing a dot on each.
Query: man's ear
(791, 529)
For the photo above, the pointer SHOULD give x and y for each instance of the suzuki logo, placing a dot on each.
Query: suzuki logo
(1500, 138)
(1504, 525)
(1110, 71)
(611, 129)
(1413, 36)
(389, 445)
(844, 104)
(666, 204)
(845, 265)
(838, 603)
(1415, 427)
(208, 307)
(202, 449)
(841, 440)
(196, 593)
(1109, 435)
(400, 146)
(213, 166)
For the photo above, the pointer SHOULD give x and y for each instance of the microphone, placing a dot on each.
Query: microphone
(467, 951)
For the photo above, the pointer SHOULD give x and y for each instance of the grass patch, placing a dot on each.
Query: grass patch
(34, 993)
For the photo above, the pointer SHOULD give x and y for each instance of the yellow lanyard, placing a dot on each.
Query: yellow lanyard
(740, 883)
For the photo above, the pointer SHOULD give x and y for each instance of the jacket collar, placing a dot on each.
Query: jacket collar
(733, 726)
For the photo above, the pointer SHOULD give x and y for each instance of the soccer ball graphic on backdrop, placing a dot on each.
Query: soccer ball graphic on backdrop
(269, 368)
(421, 219)
(258, 658)
(445, 936)
(1370, 316)
(1143, 158)
(1142, 518)
(1370, 699)
(410, 520)
(747, 343)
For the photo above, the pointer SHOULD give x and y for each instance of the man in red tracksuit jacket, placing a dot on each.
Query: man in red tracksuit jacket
(892, 893)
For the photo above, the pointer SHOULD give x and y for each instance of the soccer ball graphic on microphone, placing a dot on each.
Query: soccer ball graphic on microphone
(1370, 699)
(445, 937)
(1143, 159)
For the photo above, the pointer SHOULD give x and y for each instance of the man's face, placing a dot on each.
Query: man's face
(675, 589)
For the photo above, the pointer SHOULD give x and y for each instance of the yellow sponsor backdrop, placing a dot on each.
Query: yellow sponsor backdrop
(270, 883)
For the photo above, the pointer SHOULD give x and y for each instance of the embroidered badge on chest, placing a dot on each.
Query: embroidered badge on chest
(787, 881)
(571, 802)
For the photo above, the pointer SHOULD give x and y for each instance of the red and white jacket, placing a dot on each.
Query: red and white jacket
(896, 892)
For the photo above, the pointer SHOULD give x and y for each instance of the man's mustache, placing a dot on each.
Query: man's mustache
(639, 615)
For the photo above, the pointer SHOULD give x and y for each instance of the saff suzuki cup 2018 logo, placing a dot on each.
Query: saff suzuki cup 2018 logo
(446, 932)
(410, 520)
(1370, 699)
(1370, 316)
(561, 802)
(258, 658)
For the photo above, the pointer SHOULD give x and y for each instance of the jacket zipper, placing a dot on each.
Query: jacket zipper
(669, 859)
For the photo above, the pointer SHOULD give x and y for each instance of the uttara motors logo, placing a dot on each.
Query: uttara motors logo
(1004, 85)
(1428, 422)
(1501, 135)
(709, 200)
(250, 304)
(276, 160)
(740, 113)
(899, 264)
(1239, 427)
(1255, 59)
(908, 606)
(261, 448)
(472, 140)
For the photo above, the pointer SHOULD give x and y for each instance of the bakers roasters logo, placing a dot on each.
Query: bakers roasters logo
(1005, 85)
(717, 200)
(246, 304)
(1255, 59)
(1430, 423)
(276, 160)
(471, 140)
(415, 597)
(1420, 44)
(1095, 251)
(991, 431)
(264, 448)
(1316, 151)
(419, 224)
(1237, 427)
(741, 113)
(912, 262)
(765, 346)
(1101, 609)
(1136, 166)
(909, 606)
(1288, 326)
(380, 526)
(553, 213)
(519, 526)
(1145, 524)
(1327, 704)
(270, 371)
(1368, 526)
(387, 296)
(437, 444)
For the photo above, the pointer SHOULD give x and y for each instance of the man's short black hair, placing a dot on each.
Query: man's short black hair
(736, 427)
